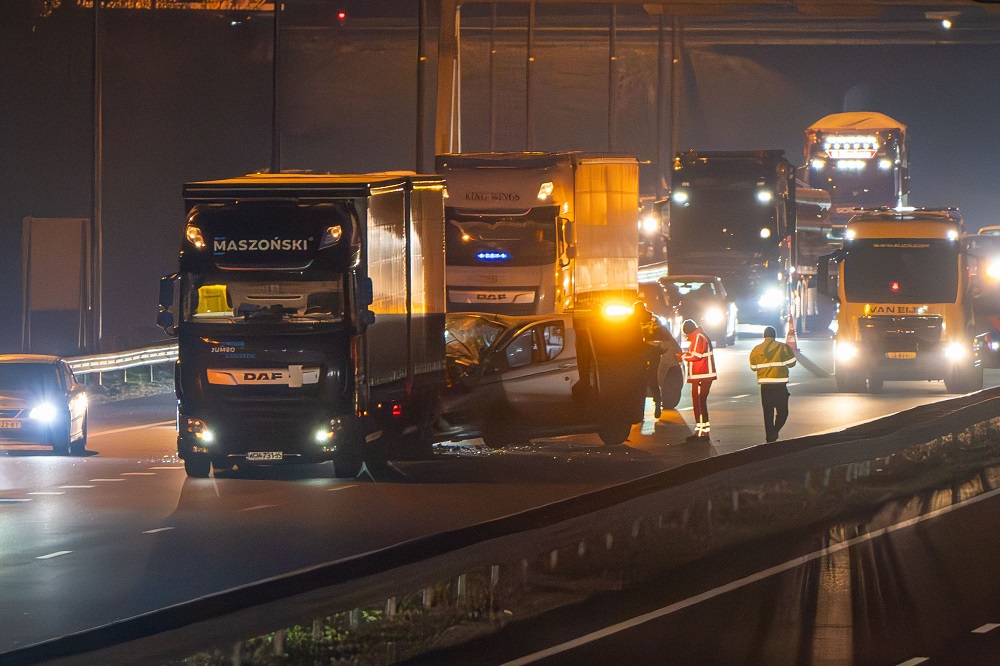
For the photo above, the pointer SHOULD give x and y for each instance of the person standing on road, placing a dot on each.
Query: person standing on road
(652, 334)
(771, 360)
(700, 362)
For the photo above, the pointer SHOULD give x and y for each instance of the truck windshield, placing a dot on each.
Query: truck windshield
(901, 271)
(502, 240)
(864, 186)
(236, 301)
(717, 216)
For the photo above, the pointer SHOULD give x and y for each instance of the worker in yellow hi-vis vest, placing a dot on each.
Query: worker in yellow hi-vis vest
(771, 360)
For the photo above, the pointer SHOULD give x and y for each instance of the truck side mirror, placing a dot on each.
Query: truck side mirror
(167, 290)
(366, 318)
(165, 320)
(366, 292)
(568, 236)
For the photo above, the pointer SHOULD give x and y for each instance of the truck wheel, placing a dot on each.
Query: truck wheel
(614, 433)
(849, 382)
(223, 464)
(198, 466)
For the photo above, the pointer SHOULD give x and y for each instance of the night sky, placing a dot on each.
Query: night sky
(188, 96)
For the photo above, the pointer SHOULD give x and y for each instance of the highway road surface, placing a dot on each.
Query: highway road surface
(122, 530)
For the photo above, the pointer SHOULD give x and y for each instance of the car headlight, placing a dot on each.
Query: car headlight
(45, 413)
(993, 269)
(846, 351)
(714, 316)
(772, 299)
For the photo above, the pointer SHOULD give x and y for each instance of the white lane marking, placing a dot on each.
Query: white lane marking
(138, 474)
(108, 480)
(330, 490)
(138, 427)
(741, 395)
(46, 492)
(793, 383)
(76, 487)
(685, 409)
(986, 628)
(169, 467)
(15, 500)
(259, 506)
(912, 662)
(55, 554)
(158, 529)
(748, 580)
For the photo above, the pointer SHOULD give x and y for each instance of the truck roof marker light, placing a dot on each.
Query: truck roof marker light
(764, 196)
(545, 191)
(193, 234)
(331, 236)
(765, 232)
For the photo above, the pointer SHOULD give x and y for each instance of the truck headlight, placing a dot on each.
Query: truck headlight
(200, 430)
(846, 351)
(771, 299)
(649, 225)
(714, 316)
(46, 413)
(955, 351)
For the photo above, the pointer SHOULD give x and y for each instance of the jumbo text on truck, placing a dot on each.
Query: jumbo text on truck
(310, 319)
(905, 304)
(540, 233)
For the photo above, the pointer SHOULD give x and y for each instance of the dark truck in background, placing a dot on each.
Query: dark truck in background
(310, 320)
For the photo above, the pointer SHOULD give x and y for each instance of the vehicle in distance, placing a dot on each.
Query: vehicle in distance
(41, 403)
(704, 299)
(515, 378)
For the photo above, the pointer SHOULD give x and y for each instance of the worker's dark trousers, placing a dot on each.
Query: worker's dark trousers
(774, 399)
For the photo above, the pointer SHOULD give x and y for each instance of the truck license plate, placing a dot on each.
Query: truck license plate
(9, 424)
(264, 455)
(901, 354)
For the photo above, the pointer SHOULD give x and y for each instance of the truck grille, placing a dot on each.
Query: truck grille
(9, 413)
(909, 334)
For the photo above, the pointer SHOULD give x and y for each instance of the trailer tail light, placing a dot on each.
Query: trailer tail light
(397, 409)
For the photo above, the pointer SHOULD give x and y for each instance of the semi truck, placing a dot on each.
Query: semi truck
(310, 320)
(732, 214)
(540, 233)
(861, 158)
(905, 306)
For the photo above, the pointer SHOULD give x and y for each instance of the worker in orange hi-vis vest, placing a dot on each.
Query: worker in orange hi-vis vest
(700, 362)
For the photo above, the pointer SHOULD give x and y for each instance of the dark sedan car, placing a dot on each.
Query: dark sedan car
(41, 403)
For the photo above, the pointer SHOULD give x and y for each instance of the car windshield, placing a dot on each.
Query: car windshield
(35, 377)
(468, 336)
(237, 301)
(694, 288)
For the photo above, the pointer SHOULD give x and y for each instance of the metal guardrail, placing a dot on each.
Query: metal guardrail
(133, 358)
